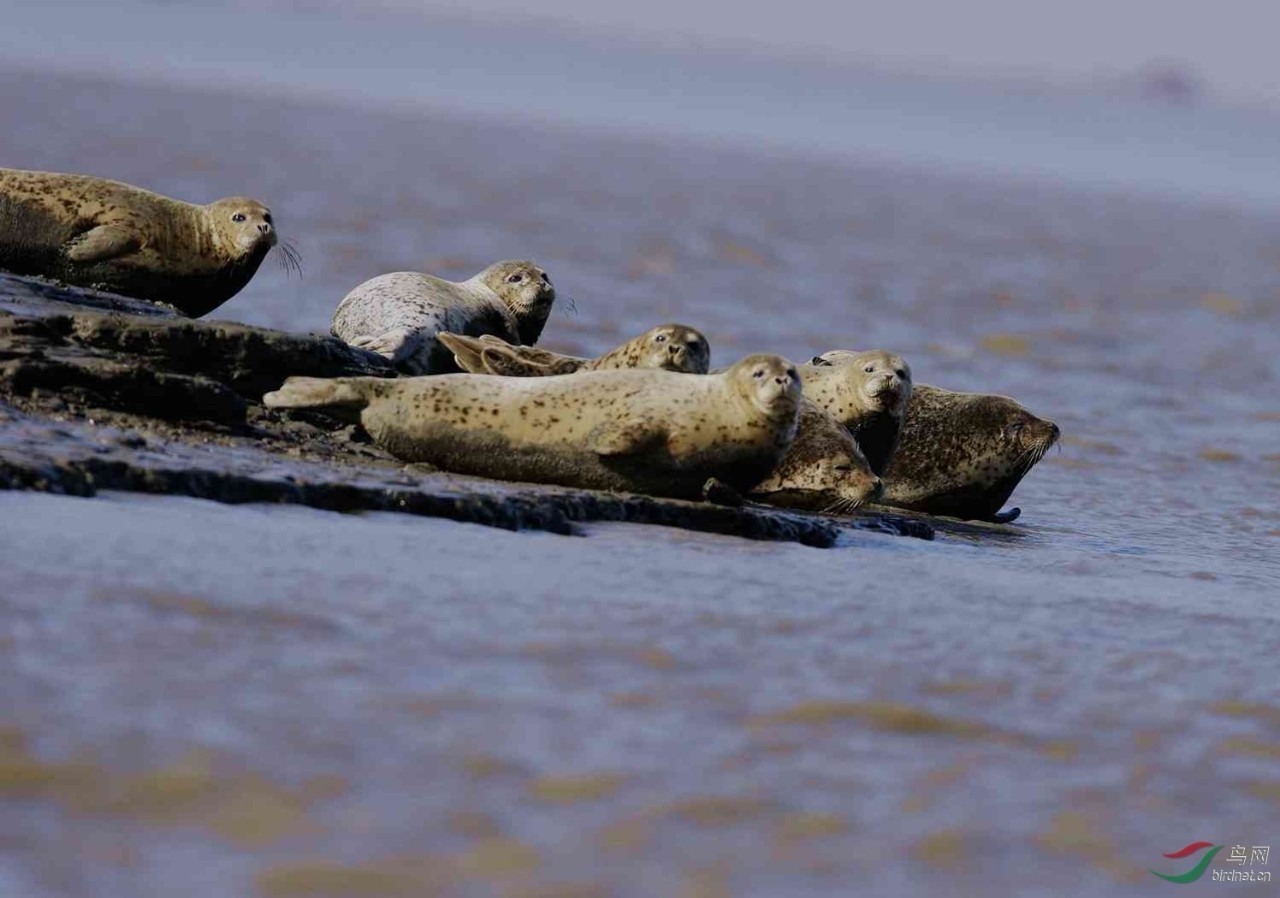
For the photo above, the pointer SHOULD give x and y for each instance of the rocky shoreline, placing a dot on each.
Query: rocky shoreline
(100, 392)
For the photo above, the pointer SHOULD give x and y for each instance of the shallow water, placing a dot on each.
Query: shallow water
(213, 698)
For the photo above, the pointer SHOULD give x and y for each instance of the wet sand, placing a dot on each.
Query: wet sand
(235, 700)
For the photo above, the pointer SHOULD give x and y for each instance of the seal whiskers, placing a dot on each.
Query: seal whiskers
(290, 257)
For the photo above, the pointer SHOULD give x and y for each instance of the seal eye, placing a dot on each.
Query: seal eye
(759, 373)
(239, 216)
(844, 469)
(791, 373)
(515, 278)
(660, 338)
(267, 218)
(869, 368)
(902, 375)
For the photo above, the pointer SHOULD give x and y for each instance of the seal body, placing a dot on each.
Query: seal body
(633, 430)
(670, 347)
(823, 470)
(867, 392)
(962, 454)
(92, 232)
(398, 315)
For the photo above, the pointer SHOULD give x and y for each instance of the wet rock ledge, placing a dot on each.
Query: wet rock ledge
(100, 392)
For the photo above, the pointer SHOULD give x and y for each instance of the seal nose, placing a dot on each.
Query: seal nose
(264, 228)
(877, 490)
(1054, 432)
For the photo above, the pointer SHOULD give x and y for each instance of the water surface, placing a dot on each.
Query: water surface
(227, 700)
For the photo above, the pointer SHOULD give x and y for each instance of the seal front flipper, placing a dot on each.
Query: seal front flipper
(102, 243)
(717, 492)
(1007, 517)
(625, 437)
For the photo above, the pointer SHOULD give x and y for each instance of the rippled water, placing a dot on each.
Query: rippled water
(216, 700)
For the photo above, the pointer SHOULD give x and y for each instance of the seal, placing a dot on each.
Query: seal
(398, 315)
(823, 470)
(670, 347)
(963, 454)
(107, 235)
(867, 392)
(636, 430)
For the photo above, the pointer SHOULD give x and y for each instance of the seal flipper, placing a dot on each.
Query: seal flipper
(625, 437)
(467, 352)
(101, 243)
(717, 492)
(336, 396)
(508, 361)
(1007, 517)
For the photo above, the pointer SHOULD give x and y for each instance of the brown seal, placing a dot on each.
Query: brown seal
(103, 234)
(634, 430)
(823, 470)
(962, 454)
(867, 392)
(398, 315)
(670, 347)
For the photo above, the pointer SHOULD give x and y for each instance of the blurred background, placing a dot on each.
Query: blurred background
(1073, 204)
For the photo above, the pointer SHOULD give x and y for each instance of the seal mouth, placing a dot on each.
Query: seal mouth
(850, 504)
(888, 396)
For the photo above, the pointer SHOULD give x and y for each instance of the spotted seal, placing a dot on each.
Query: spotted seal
(671, 347)
(867, 392)
(636, 430)
(962, 454)
(823, 470)
(398, 315)
(107, 235)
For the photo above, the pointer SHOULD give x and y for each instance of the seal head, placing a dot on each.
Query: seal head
(671, 347)
(823, 470)
(242, 226)
(868, 392)
(526, 290)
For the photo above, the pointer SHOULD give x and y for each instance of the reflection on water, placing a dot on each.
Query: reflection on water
(214, 699)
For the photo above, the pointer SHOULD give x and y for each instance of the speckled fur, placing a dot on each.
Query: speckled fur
(870, 403)
(962, 454)
(823, 470)
(669, 347)
(399, 315)
(633, 430)
(103, 234)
